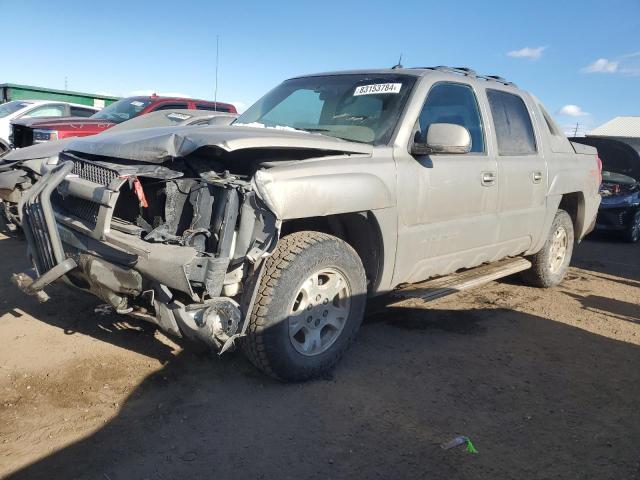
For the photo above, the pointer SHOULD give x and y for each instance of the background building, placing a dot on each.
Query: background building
(12, 91)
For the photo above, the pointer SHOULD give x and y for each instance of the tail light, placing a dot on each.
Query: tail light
(599, 161)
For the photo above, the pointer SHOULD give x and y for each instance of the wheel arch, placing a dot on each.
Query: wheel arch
(573, 203)
(361, 230)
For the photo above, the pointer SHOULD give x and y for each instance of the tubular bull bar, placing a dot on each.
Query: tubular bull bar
(41, 232)
(215, 321)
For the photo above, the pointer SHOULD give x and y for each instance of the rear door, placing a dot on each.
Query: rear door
(522, 170)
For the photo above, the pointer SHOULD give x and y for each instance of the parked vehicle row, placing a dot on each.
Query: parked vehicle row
(27, 131)
(36, 109)
(272, 232)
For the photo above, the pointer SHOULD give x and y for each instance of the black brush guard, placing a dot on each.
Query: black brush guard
(41, 232)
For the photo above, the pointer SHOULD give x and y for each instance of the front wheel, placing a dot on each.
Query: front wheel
(309, 306)
(551, 263)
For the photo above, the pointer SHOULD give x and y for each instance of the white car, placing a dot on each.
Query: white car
(36, 108)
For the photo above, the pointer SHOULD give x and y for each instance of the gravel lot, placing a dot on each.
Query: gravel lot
(545, 382)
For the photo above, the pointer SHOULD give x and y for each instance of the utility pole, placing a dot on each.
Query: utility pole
(215, 93)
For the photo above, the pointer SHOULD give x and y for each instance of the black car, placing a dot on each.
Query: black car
(620, 205)
(620, 189)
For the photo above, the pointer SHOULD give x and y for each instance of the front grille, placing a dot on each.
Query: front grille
(78, 207)
(93, 173)
(36, 224)
(613, 217)
(22, 136)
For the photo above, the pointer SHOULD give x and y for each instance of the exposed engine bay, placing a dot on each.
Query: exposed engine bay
(617, 184)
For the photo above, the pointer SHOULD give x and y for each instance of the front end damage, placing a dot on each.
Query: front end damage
(177, 245)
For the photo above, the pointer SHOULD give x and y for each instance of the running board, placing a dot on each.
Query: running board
(464, 280)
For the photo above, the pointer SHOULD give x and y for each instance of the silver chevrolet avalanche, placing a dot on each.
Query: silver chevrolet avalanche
(272, 232)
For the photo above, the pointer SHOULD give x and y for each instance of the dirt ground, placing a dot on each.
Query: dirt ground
(545, 382)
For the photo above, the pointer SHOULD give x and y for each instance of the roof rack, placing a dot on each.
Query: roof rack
(497, 78)
(468, 72)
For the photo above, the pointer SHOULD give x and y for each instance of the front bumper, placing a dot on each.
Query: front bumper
(135, 277)
(616, 219)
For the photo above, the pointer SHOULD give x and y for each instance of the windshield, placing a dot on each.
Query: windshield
(358, 107)
(8, 108)
(123, 109)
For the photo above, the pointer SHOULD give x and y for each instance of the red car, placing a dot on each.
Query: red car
(26, 132)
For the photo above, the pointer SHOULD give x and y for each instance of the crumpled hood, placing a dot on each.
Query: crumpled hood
(62, 122)
(39, 150)
(157, 145)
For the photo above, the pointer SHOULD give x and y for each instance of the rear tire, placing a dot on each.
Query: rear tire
(309, 306)
(550, 264)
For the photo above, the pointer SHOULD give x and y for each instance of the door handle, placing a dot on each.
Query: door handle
(536, 177)
(488, 178)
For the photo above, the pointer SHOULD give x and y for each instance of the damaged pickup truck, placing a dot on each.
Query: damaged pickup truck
(274, 230)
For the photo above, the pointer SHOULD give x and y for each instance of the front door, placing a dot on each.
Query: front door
(447, 204)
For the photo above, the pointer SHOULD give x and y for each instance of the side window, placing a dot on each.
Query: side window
(551, 124)
(213, 108)
(514, 130)
(81, 112)
(453, 103)
(171, 106)
(46, 111)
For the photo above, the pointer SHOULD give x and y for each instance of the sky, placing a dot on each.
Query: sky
(581, 58)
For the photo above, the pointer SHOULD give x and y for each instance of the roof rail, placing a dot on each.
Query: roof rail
(497, 78)
(460, 70)
(468, 72)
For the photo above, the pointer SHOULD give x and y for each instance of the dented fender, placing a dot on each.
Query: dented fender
(321, 195)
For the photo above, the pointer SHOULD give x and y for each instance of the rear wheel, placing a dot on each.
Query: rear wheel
(633, 233)
(550, 264)
(309, 307)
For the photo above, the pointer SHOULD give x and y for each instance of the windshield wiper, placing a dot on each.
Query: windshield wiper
(314, 129)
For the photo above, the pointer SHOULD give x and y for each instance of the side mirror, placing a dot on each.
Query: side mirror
(444, 138)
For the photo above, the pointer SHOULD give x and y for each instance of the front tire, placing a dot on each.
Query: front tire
(551, 263)
(309, 306)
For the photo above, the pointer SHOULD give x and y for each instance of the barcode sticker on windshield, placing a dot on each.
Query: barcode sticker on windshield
(378, 88)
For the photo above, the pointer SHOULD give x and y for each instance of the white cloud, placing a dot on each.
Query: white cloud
(602, 65)
(572, 111)
(527, 52)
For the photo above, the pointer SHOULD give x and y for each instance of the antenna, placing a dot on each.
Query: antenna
(399, 64)
(575, 132)
(215, 94)
(65, 83)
